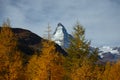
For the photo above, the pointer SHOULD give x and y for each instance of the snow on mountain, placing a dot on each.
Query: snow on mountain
(109, 49)
(107, 53)
(61, 36)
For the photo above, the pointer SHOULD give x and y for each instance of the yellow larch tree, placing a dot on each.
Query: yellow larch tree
(82, 73)
(47, 65)
(112, 71)
(10, 59)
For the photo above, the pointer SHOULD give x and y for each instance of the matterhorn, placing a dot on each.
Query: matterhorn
(61, 36)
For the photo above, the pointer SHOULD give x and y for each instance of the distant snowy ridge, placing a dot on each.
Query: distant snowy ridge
(61, 36)
(107, 53)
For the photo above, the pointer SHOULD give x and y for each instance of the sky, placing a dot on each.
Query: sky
(100, 18)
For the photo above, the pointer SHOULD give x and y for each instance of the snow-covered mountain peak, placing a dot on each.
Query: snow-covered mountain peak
(61, 36)
(60, 25)
(60, 29)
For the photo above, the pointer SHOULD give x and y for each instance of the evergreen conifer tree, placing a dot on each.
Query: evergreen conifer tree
(79, 53)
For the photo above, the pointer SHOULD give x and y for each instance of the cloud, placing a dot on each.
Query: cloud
(99, 17)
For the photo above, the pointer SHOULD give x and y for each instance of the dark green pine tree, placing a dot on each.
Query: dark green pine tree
(79, 46)
(79, 50)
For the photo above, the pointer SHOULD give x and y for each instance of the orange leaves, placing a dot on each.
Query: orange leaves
(35, 69)
(47, 65)
(7, 37)
(10, 58)
(83, 72)
(96, 72)
(112, 71)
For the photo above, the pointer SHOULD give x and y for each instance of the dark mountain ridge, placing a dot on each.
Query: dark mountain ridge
(29, 42)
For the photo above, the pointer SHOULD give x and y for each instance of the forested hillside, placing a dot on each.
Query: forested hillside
(26, 56)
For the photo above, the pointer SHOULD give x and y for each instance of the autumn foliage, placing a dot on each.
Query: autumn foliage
(48, 64)
(10, 58)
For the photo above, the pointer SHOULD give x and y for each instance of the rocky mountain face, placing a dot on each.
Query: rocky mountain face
(61, 36)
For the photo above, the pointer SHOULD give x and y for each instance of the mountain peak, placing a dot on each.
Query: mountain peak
(60, 24)
(61, 36)
(60, 29)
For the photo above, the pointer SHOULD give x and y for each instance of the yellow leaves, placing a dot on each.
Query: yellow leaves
(35, 68)
(47, 65)
(10, 67)
(83, 72)
(112, 71)
(10, 58)
(8, 40)
(15, 66)
(96, 72)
